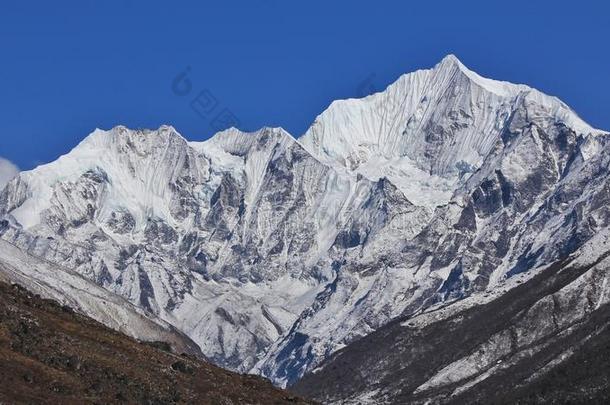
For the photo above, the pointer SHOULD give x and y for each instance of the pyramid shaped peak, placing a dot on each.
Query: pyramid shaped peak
(452, 62)
(451, 59)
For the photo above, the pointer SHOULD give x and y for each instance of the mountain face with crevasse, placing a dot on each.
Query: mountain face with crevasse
(447, 190)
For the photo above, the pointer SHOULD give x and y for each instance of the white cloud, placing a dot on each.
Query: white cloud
(7, 171)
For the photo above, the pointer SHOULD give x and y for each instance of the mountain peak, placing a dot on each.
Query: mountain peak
(432, 124)
(451, 60)
(102, 138)
(450, 64)
(236, 141)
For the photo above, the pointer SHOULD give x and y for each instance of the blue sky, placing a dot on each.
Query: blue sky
(70, 66)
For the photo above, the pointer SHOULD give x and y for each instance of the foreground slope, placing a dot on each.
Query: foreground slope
(51, 355)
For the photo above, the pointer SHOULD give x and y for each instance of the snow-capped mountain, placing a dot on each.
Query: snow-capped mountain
(272, 253)
(428, 131)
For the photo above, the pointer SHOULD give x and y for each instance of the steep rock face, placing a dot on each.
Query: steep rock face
(272, 253)
(363, 293)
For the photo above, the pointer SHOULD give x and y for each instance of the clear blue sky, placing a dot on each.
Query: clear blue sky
(70, 66)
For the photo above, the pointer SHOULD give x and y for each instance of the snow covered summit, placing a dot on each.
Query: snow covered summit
(272, 253)
(427, 131)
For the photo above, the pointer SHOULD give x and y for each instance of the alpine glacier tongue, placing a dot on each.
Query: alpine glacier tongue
(272, 253)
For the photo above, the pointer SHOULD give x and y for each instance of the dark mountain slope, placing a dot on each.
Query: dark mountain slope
(544, 341)
(583, 378)
(51, 355)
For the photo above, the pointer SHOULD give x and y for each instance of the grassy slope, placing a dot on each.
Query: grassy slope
(49, 354)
